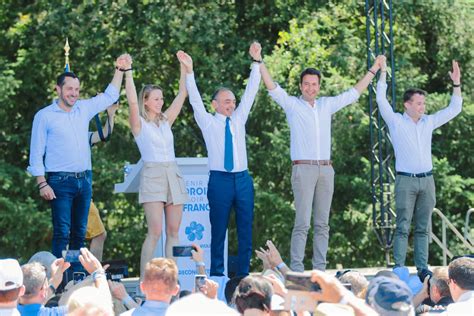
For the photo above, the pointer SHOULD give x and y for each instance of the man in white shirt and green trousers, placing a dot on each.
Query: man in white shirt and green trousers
(411, 134)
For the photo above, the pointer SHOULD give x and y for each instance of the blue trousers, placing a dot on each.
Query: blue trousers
(70, 209)
(228, 190)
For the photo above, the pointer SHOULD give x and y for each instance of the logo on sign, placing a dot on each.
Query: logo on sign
(194, 231)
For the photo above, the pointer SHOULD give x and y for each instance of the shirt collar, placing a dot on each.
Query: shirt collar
(307, 103)
(408, 117)
(155, 304)
(221, 117)
(466, 296)
(56, 107)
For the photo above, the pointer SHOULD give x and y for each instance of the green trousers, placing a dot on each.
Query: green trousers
(415, 198)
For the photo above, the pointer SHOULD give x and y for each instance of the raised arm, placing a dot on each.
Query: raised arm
(95, 138)
(253, 84)
(385, 108)
(455, 105)
(121, 66)
(175, 107)
(131, 92)
(364, 82)
(256, 52)
(200, 114)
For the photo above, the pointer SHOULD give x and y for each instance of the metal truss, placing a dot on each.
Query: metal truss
(379, 24)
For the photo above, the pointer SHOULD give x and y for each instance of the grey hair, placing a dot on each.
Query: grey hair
(34, 277)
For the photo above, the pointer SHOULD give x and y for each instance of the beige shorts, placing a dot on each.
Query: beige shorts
(162, 182)
(95, 227)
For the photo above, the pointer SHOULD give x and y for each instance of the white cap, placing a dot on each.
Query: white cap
(11, 276)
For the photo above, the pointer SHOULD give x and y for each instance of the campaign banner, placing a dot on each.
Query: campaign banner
(196, 228)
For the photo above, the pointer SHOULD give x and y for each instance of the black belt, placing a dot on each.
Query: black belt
(416, 175)
(76, 175)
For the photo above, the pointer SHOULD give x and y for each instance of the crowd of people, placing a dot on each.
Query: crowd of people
(31, 289)
(60, 159)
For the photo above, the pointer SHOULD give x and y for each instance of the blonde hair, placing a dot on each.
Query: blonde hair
(162, 269)
(90, 296)
(144, 95)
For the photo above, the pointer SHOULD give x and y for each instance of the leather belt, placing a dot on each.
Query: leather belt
(416, 175)
(312, 162)
(76, 175)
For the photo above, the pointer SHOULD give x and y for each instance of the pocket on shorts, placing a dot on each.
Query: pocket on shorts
(153, 180)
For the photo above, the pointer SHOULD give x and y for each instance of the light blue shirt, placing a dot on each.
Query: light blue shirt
(59, 139)
(148, 308)
(39, 310)
(412, 141)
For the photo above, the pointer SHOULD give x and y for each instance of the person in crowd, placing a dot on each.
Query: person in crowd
(332, 291)
(96, 296)
(230, 184)
(461, 286)
(312, 179)
(159, 284)
(60, 156)
(411, 134)
(11, 287)
(389, 296)
(95, 232)
(253, 296)
(357, 281)
(197, 304)
(39, 288)
(162, 188)
(436, 290)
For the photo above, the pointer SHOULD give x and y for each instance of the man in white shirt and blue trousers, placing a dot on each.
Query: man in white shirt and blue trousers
(230, 185)
(60, 157)
(411, 134)
(312, 178)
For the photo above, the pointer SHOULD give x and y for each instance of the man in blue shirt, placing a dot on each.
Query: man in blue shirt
(60, 157)
(38, 288)
(160, 284)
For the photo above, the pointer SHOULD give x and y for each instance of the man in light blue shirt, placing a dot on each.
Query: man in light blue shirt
(160, 284)
(411, 134)
(60, 156)
(38, 289)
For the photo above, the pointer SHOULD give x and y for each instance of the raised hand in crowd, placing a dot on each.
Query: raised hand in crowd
(198, 256)
(57, 271)
(118, 291)
(262, 255)
(210, 289)
(185, 60)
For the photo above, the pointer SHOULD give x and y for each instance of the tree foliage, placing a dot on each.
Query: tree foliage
(294, 34)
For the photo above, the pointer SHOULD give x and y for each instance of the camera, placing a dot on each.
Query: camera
(199, 282)
(298, 281)
(183, 251)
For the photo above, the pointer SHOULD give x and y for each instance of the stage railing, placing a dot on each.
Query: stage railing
(467, 227)
(443, 243)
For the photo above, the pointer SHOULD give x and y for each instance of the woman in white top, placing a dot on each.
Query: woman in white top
(161, 184)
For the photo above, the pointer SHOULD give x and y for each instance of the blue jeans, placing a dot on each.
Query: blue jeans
(70, 209)
(225, 191)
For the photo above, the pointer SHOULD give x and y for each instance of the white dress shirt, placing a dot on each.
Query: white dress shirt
(310, 126)
(412, 141)
(155, 142)
(213, 126)
(60, 139)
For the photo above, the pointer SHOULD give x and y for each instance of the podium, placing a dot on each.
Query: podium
(195, 226)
